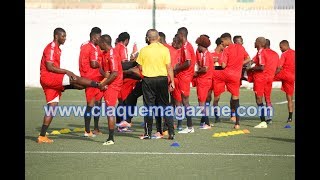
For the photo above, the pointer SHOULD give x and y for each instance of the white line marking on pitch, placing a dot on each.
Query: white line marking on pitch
(283, 102)
(159, 153)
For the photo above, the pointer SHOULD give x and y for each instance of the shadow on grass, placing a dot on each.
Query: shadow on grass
(276, 139)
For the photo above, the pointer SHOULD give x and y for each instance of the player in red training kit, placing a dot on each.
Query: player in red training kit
(216, 55)
(232, 60)
(184, 72)
(259, 78)
(286, 74)
(203, 76)
(272, 59)
(121, 47)
(55, 80)
(111, 64)
(89, 67)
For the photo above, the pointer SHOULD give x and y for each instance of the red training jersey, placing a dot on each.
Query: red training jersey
(187, 53)
(112, 62)
(51, 53)
(89, 52)
(206, 60)
(287, 61)
(233, 56)
(121, 50)
(260, 60)
(272, 59)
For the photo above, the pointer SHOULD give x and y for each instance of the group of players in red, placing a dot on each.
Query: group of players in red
(108, 73)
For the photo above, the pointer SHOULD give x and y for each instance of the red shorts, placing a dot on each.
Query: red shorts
(259, 85)
(111, 96)
(182, 86)
(194, 82)
(203, 87)
(232, 84)
(52, 85)
(92, 92)
(127, 87)
(287, 82)
(267, 91)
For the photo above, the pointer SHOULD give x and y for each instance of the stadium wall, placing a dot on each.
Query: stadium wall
(40, 23)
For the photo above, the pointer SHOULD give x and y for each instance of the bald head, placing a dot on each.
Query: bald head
(260, 42)
(152, 35)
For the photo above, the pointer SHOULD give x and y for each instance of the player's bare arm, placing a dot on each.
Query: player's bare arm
(109, 80)
(170, 73)
(94, 64)
(202, 70)
(50, 66)
(182, 67)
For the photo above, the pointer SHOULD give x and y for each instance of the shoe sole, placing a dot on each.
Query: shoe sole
(107, 144)
(263, 127)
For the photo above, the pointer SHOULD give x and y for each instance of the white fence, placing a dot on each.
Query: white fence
(275, 25)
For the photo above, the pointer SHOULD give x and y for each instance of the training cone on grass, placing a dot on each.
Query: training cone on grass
(55, 132)
(78, 130)
(175, 144)
(65, 131)
(222, 134)
(287, 126)
(231, 133)
(246, 131)
(216, 135)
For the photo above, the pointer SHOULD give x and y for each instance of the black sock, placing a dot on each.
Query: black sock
(96, 118)
(202, 119)
(179, 123)
(87, 119)
(94, 84)
(43, 130)
(189, 121)
(68, 87)
(111, 133)
(96, 122)
(290, 115)
(206, 120)
(235, 104)
(261, 109)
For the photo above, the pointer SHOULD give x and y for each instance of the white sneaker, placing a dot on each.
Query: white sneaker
(110, 142)
(263, 124)
(187, 130)
(205, 127)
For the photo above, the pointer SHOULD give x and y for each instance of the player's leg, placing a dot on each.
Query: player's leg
(90, 97)
(258, 87)
(81, 82)
(110, 97)
(288, 88)
(97, 111)
(176, 93)
(203, 89)
(218, 89)
(267, 96)
(42, 138)
(184, 85)
(162, 100)
(53, 86)
(149, 96)
(207, 103)
(290, 107)
(233, 86)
